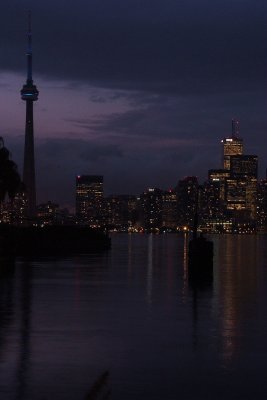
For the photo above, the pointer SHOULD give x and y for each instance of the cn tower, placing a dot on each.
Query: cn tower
(29, 93)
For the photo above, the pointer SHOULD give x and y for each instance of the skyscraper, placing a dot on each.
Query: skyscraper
(29, 93)
(245, 166)
(241, 185)
(232, 146)
(187, 200)
(169, 209)
(244, 175)
(151, 209)
(89, 199)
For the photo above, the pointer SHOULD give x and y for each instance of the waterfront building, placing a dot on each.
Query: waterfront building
(236, 194)
(89, 200)
(5, 215)
(169, 209)
(47, 213)
(251, 198)
(29, 94)
(210, 203)
(217, 178)
(242, 200)
(187, 200)
(262, 205)
(244, 166)
(121, 212)
(215, 194)
(151, 209)
(212, 208)
(216, 225)
(50, 213)
(14, 211)
(241, 194)
(239, 189)
(232, 145)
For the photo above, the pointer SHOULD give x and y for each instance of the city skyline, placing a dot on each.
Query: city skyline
(145, 95)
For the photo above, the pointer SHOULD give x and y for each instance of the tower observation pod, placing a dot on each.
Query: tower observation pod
(29, 93)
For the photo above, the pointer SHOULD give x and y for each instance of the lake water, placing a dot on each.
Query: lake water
(133, 312)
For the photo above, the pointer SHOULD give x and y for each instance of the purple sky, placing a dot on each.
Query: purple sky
(140, 91)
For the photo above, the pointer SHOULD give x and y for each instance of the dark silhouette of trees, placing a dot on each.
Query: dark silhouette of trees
(10, 182)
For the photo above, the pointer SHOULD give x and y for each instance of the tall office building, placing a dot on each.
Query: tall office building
(244, 166)
(169, 209)
(121, 211)
(262, 205)
(242, 186)
(29, 93)
(187, 200)
(151, 209)
(89, 199)
(218, 178)
(232, 145)
(214, 192)
(47, 213)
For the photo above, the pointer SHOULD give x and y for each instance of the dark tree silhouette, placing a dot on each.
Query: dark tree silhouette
(10, 182)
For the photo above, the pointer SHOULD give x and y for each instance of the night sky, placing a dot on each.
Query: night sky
(140, 91)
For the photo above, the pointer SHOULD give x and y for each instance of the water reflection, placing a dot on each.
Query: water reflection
(130, 255)
(185, 266)
(201, 291)
(185, 256)
(6, 313)
(135, 313)
(236, 289)
(24, 350)
(150, 268)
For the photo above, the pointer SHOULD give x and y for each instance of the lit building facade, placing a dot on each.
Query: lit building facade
(15, 211)
(244, 166)
(47, 213)
(151, 209)
(229, 197)
(231, 147)
(262, 205)
(242, 187)
(217, 178)
(187, 201)
(121, 212)
(89, 200)
(169, 209)
(210, 202)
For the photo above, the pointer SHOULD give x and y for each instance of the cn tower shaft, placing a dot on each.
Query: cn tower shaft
(29, 164)
(29, 93)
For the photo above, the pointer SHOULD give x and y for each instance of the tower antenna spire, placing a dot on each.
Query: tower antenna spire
(235, 128)
(29, 50)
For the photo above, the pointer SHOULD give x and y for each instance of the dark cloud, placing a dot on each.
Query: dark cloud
(174, 47)
(180, 117)
(75, 148)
